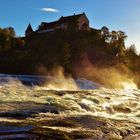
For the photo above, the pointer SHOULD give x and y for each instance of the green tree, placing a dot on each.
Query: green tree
(121, 42)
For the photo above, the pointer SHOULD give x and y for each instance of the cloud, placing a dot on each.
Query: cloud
(50, 10)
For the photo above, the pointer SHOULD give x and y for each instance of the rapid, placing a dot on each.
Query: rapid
(70, 106)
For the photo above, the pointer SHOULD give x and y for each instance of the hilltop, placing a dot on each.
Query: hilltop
(74, 47)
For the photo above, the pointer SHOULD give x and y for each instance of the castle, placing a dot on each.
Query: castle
(79, 22)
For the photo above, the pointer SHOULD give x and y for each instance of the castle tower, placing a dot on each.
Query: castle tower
(29, 30)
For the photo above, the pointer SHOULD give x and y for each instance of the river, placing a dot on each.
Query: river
(79, 109)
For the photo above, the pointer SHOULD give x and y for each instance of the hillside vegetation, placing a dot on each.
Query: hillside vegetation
(72, 50)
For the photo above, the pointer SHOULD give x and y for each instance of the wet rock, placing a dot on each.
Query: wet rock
(138, 127)
(54, 111)
(125, 132)
(122, 109)
(84, 106)
(108, 98)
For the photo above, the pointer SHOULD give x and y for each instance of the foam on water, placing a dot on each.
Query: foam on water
(111, 103)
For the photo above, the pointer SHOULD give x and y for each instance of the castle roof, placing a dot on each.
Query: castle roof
(70, 18)
(61, 20)
(29, 28)
(51, 24)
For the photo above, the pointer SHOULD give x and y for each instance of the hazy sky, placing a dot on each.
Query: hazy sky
(116, 14)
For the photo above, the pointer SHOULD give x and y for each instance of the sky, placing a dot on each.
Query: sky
(115, 14)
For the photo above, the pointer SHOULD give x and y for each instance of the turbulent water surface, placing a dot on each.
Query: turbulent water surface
(36, 112)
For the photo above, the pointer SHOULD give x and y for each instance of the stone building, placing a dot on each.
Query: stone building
(78, 22)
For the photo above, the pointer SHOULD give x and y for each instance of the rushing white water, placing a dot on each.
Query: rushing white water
(70, 102)
(111, 103)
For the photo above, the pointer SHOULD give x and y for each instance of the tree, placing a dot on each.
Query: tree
(7, 38)
(121, 35)
(10, 31)
(113, 36)
(105, 33)
(121, 42)
(131, 52)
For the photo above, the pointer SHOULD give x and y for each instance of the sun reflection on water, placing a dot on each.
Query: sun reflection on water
(129, 85)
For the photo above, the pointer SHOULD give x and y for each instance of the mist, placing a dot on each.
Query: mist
(57, 79)
(117, 76)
